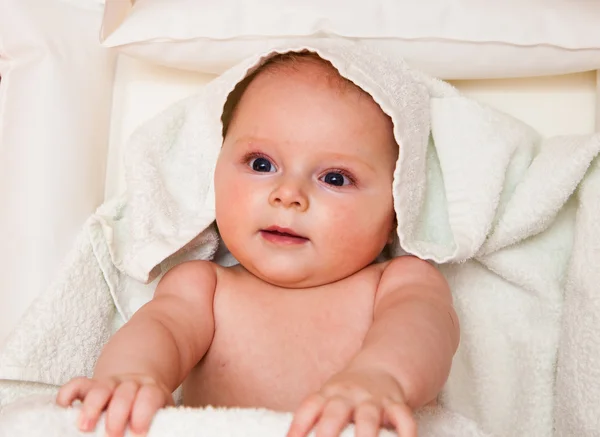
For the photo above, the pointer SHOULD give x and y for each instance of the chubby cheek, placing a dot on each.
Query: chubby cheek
(230, 198)
(363, 226)
(237, 205)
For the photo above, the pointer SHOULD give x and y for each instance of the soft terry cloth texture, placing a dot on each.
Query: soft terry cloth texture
(38, 417)
(475, 191)
(578, 378)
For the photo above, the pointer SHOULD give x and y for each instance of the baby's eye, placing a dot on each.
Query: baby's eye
(262, 165)
(336, 179)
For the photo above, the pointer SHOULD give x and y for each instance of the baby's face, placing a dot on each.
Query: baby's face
(304, 179)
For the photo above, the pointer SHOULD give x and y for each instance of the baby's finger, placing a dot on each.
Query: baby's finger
(336, 415)
(306, 416)
(402, 419)
(148, 400)
(94, 403)
(76, 388)
(367, 420)
(119, 408)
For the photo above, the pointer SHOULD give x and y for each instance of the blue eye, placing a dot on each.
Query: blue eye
(261, 165)
(336, 179)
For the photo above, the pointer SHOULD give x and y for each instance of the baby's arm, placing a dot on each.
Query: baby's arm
(403, 363)
(415, 330)
(151, 354)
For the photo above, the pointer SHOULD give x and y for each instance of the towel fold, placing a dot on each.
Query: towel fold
(504, 213)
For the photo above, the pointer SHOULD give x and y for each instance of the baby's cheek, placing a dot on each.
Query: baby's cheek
(232, 197)
(345, 229)
(230, 204)
(367, 227)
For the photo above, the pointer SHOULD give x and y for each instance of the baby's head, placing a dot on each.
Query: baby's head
(304, 179)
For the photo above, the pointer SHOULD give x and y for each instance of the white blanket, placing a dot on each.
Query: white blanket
(476, 191)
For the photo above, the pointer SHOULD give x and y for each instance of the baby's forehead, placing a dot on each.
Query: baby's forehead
(283, 67)
(293, 69)
(310, 65)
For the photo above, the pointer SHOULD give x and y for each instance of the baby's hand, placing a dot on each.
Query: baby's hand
(127, 399)
(370, 398)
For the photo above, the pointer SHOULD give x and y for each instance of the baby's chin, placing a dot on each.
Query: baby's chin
(290, 276)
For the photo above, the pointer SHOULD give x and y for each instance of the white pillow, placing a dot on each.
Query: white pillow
(55, 97)
(452, 40)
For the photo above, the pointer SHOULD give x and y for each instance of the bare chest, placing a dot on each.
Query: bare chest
(273, 347)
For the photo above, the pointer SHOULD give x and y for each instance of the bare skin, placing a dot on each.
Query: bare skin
(307, 322)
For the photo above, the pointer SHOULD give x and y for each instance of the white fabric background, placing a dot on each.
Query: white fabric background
(460, 39)
(598, 101)
(59, 159)
(150, 148)
(55, 98)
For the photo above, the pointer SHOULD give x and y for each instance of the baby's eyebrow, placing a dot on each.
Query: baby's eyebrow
(249, 141)
(345, 158)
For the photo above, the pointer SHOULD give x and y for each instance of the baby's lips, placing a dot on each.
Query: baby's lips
(284, 231)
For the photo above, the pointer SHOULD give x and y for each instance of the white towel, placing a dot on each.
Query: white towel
(578, 377)
(475, 191)
(37, 416)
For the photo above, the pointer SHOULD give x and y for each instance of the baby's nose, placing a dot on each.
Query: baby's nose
(289, 195)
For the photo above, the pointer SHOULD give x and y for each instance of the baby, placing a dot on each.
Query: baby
(309, 320)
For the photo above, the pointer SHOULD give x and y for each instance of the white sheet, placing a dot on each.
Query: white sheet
(55, 99)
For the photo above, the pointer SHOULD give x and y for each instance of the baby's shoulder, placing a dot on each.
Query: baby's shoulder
(193, 269)
(190, 275)
(408, 264)
(409, 269)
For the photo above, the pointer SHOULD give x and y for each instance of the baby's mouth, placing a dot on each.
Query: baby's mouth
(278, 235)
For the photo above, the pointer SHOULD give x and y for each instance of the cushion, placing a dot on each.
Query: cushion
(463, 39)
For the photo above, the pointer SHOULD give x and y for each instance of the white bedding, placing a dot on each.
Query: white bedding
(38, 417)
(554, 105)
(511, 304)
